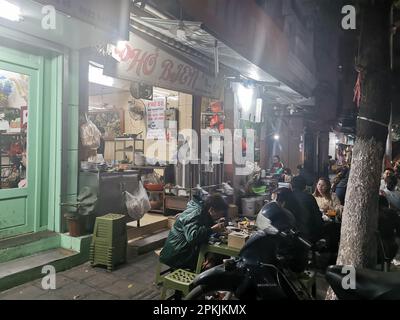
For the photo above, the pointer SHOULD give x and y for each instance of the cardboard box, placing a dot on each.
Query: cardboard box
(237, 239)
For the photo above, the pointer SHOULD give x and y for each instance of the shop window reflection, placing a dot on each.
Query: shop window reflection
(14, 96)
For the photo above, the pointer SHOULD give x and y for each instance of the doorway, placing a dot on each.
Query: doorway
(26, 153)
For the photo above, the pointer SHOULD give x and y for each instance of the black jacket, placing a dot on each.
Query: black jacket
(311, 220)
(389, 229)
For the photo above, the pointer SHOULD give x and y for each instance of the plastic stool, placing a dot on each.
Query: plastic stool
(109, 243)
(160, 275)
(180, 280)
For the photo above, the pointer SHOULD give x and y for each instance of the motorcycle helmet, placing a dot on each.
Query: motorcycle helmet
(275, 215)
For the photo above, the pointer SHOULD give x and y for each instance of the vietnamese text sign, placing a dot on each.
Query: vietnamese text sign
(141, 61)
(156, 119)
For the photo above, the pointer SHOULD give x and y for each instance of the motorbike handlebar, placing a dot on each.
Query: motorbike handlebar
(305, 242)
(296, 235)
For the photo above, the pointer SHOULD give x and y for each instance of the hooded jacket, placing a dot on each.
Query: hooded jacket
(191, 230)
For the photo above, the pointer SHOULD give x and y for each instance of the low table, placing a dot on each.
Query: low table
(221, 249)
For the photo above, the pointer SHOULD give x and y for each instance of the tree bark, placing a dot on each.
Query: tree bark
(358, 246)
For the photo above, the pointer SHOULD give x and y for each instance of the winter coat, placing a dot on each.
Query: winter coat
(191, 230)
(330, 204)
(312, 219)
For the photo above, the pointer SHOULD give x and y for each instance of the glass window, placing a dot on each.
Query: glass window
(14, 97)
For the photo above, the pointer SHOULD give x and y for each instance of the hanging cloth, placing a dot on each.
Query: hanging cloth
(357, 90)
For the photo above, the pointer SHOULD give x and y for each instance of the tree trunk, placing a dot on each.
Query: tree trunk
(358, 246)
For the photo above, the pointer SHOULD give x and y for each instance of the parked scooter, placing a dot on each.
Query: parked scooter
(269, 268)
(369, 284)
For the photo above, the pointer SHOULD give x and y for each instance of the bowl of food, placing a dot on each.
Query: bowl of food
(331, 213)
(154, 186)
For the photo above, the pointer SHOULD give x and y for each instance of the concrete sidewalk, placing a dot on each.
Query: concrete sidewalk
(132, 281)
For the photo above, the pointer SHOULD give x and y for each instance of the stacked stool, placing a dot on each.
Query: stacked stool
(180, 281)
(109, 243)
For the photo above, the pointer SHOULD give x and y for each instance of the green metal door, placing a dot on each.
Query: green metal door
(21, 114)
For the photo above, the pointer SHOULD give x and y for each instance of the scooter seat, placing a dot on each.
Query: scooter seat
(370, 285)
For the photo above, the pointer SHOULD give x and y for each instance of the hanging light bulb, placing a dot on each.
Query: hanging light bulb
(245, 95)
(216, 58)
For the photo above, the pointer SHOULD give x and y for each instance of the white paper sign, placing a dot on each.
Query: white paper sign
(156, 119)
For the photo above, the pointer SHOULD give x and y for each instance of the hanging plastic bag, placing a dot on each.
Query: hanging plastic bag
(228, 190)
(138, 204)
(90, 135)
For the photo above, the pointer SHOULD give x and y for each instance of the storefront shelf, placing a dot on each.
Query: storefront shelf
(156, 211)
(148, 167)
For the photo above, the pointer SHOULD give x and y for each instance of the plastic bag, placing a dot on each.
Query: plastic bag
(138, 204)
(228, 190)
(90, 135)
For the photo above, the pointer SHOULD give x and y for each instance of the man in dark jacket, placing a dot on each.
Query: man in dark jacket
(193, 229)
(306, 172)
(389, 229)
(340, 187)
(280, 214)
(312, 222)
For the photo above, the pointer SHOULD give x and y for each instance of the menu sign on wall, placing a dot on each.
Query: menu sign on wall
(141, 61)
(155, 111)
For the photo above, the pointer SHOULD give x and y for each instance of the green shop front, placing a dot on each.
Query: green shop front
(39, 125)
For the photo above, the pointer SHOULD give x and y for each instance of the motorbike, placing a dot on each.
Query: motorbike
(271, 266)
(369, 284)
(268, 267)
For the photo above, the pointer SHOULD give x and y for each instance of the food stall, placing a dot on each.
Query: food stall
(136, 133)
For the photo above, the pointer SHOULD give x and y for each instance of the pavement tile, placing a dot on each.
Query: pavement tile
(61, 281)
(23, 293)
(80, 273)
(124, 289)
(143, 277)
(127, 271)
(150, 293)
(101, 295)
(101, 281)
(51, 295)
(134, 280)
(74, 291)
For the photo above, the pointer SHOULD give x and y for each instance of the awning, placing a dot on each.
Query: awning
(192, 35)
